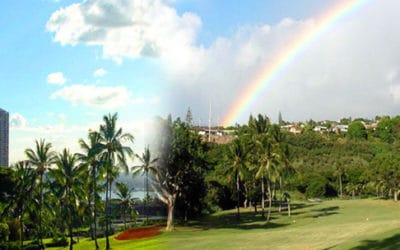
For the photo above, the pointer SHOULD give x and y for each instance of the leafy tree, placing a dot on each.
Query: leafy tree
(146, 167)
(40, 158)
(387, 171)
(178, 148)
(357, 131)
(384, 129)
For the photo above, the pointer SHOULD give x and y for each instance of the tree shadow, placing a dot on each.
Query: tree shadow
(322, 212)
(248, 220)
(390, 243)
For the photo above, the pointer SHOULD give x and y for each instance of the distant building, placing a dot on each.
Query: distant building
(4, 137)
(293, 128)
(340, 128)
(320, 129)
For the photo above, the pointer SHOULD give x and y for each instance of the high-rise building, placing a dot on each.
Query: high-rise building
(4, 137)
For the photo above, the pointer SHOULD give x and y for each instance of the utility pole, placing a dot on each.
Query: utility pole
(209, 124)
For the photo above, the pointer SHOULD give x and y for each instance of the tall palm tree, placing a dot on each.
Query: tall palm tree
(124, 194)
(91, 160)
(237, 156)
(25, 183)
(40, 158)
(114, 156)
(268, 161)
(146, 167)
(259, 129)
(67, 176)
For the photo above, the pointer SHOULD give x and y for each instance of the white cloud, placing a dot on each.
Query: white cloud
(100, 73)
(94, 96)
(66, 136)
(99, 97)
(56, 78)
(350, 70)
(17, 121)
(137, 28)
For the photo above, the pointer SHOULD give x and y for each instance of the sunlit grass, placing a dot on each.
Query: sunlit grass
(334, 224)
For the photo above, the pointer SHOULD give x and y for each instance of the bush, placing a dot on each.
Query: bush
(62, 242)
(10, 245)
(315, 189)
(4, 232)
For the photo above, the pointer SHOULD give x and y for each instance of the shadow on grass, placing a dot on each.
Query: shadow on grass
(248, 220)
(390, 243)
(327, 211)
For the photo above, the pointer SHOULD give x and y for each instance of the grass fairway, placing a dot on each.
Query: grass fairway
(336, 224)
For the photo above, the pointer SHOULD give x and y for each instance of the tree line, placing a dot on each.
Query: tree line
(264, 167)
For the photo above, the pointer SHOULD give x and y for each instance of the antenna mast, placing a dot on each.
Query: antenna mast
(209, 124)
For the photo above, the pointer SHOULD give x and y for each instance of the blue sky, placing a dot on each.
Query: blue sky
(163, 56)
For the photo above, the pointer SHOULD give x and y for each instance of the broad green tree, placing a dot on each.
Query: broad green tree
(357, 131)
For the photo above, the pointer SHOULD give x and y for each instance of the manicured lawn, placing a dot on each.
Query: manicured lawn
(335, 224)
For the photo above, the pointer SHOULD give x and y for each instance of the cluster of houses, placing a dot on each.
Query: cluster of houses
(221, 135)
(336, 128)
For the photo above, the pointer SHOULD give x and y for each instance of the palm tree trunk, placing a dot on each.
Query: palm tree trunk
(269, 199)
(245, 196)
(41, 246)
(95, 209)
(147, 196)
(21, 225)
(280, 194)
(71, 240)
(238, 195)
(124, 217)
(106, 208)
(262, 196)
(340, 186)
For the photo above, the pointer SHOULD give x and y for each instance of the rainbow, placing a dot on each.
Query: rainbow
(286, 55)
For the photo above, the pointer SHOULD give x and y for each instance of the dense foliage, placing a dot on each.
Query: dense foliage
(263, 165)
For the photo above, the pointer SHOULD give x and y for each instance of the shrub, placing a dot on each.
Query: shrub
(4, 232)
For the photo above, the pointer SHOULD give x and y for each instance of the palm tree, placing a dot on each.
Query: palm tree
(40, 158)
(114, 155)
(259, 129)
(124, 194)
(25, 183)
(237, 156)
(147, 165)
(91, 160)
(67, 177)
(268, 161)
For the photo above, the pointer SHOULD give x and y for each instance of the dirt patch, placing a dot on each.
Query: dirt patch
(138, 233)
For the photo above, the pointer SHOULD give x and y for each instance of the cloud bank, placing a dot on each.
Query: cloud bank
(350, 70)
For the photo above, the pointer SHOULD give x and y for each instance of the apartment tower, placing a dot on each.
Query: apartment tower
(4, 137)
